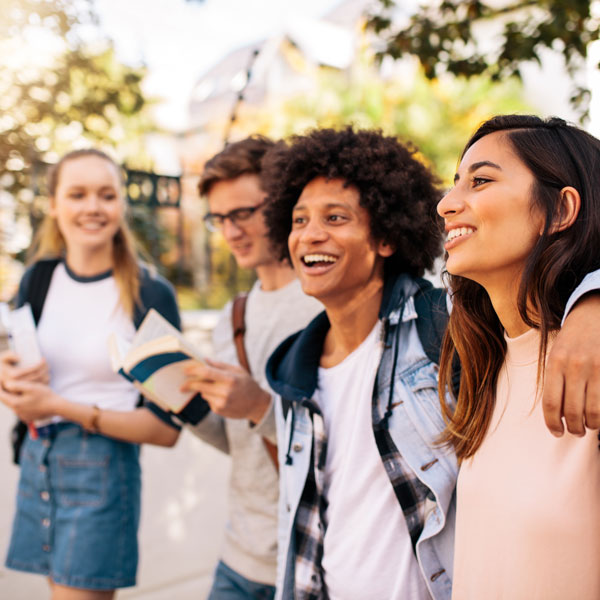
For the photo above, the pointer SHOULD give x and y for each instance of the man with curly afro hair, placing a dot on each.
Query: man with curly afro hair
(366, 495)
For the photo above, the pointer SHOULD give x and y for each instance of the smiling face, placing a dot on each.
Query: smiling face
(330, 243)
(246, 239)
(87, 204)
(490, 220)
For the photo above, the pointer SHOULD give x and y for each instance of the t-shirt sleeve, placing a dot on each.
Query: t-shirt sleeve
(590, 283)
(157, 293)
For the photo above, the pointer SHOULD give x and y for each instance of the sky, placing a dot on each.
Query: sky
(180, 40)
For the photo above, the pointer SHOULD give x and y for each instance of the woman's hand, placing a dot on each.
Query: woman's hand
(29, 400)
(10, 369)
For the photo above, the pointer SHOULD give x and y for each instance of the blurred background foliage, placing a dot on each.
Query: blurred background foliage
(458, 37)
(435, 115)
(62, 86)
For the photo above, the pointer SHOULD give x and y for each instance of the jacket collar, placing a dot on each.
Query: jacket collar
(292, 370)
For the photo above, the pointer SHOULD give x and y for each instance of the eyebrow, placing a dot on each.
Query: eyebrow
(329, 205)
(477, 165)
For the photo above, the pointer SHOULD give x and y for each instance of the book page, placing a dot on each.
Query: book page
(23, 337)
(117, 350)
(163, 386)
(156, 326)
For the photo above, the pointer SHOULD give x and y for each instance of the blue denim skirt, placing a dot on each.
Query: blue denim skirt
(78, 509)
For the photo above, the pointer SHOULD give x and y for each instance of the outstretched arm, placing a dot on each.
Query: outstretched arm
(572, 380)
(32, 400)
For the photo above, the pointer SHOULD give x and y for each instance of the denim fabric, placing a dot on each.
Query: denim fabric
(407, 381)
(78, 508)
(229, 585)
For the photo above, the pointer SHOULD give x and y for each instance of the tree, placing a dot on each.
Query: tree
(61, 86)
(436, 116)
(446, 36)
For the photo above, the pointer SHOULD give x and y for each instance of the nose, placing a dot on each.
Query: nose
(313, 232)
(230, 230)
(450, 204)
(93, 203)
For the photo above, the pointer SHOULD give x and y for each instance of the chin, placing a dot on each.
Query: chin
(246, 262)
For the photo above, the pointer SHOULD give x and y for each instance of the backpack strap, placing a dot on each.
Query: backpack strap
(38, 285)
(432, 320)
(238, 322)
(238, 312)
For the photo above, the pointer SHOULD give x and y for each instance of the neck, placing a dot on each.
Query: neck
(504, 300)
(88, 263)
(351, 322)
(275, 276)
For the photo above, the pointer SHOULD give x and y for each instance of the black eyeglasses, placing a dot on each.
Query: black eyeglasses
(215, 221)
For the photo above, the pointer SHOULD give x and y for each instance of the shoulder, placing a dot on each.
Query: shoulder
(292, 369)
(158, 293)
(154, 284)
(33, 276)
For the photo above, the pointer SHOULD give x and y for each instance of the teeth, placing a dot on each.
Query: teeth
(458, 231)
(313, 258)
(91, 225)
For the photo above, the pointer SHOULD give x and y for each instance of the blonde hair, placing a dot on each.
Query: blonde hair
(50, 243)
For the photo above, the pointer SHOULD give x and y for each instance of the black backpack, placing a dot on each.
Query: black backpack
(432, 319)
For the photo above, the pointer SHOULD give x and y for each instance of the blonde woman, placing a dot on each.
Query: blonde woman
(78, 502)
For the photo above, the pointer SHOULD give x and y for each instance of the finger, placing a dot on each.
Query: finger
(16, 386)
(574, 401)
(592, 402)
(8, 399)
(552, 400)
(8, 357)
(227, 367)
(195, 368)
(214, 374)
(30, 373)
(200, 386)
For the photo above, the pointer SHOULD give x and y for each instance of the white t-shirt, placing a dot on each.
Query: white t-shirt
(367, 548)
(77, 320)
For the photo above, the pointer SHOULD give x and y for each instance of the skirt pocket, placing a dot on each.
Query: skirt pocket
(82, 481)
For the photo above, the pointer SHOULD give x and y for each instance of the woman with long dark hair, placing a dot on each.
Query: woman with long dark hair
(523, 229)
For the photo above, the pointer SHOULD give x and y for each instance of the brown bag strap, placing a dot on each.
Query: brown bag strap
(239, 331)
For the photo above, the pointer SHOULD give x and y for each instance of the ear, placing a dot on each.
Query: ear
(384, 249)
(570, 204)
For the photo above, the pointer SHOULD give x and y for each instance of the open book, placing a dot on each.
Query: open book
(19, 334)
(155, 360)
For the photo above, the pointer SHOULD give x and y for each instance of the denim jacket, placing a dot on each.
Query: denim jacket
(415, 424)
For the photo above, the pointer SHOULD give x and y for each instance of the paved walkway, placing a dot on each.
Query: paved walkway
(183, 512)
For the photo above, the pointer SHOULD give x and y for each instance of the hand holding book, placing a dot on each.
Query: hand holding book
(21, 359)
(155, 361)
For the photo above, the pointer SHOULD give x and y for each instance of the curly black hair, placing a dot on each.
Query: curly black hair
(399, 192)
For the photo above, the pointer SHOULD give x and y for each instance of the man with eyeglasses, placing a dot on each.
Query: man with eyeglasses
(241, 416)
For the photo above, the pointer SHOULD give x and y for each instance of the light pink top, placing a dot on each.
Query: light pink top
(528, 504)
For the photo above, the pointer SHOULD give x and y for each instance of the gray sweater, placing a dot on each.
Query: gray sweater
(251, 536)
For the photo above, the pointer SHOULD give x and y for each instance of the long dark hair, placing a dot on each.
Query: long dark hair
(558, 155)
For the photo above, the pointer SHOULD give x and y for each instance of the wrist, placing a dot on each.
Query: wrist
(92, 423)
(260, 408)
